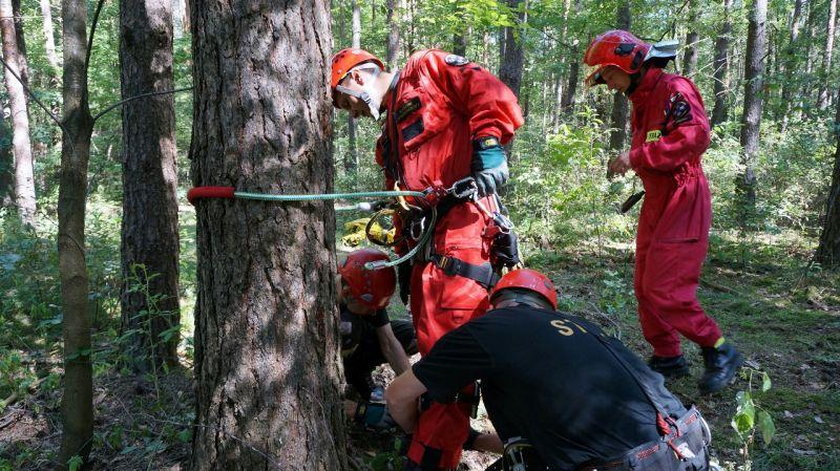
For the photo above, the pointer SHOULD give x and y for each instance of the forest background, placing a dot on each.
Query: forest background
(771, 84)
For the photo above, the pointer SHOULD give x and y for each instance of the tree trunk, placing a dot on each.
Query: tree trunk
(691, 38)
(178, 19)
(753, 101)
(828, 252)
(77, 401)
(828, 54)
(621, 107)
(24, 163)
(49, 38)
(266, 349)
(567, 103)
(7, 166)
(351, 160)
(721, 64)
(788, 61)
(512, 57)
(23, 61)
(149, 248)
(392, 23)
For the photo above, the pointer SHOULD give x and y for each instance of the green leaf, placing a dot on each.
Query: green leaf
(766, 384)
(75, 463)
(184, 436)
(766, 426)
(744, 419)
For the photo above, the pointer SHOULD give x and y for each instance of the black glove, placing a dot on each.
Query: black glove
(505, 252)
(489, 165)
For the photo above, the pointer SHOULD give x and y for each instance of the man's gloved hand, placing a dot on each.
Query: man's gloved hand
(374, 414)
(489, 165)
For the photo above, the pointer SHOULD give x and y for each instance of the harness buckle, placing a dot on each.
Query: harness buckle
(464, 189)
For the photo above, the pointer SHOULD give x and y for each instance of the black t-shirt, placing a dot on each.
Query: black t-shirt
(547, 378)
(354, 326)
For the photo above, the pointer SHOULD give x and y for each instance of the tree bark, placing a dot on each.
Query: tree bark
(621, 107)
(24, 162)
(691, 38)
(753, 100)
(512, 56)
(23, 61)
(266, 340)
(828, 55)
(721, 64)
(393, 45)
(788, 61)
(7, 166)
(149, 242)
(49, 38)
(828, 252)
(77, 401)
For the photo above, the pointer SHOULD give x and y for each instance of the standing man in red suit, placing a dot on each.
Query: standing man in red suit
(670, 132)
(446, 119)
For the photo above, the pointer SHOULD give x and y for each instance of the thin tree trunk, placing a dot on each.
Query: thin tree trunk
(268, 382)
(351, 160)
(788, 61)
(24, 163)
(513, 57)
(691, 38)
(393, 45)
(149, 242)
(828, 252)
(49, 38)
(721, 64)
(828, 54)
(621, 107)
(567, 104)
(77, 401)
(753, 101)
(7, 166)
(459, 43)
(177, 18)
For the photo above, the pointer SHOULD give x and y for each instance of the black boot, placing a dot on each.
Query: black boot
(669, 367)
(722, 363)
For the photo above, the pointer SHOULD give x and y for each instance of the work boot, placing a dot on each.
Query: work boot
(722, 363)
(669, 367)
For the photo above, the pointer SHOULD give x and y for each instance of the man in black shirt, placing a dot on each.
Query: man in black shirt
(579, 399)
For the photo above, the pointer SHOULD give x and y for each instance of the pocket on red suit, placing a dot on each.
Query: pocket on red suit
(687, 215)
(459, 298)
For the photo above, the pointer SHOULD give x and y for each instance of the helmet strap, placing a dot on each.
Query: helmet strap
(368, 92)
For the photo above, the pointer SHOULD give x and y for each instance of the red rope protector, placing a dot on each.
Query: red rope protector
(209, 192)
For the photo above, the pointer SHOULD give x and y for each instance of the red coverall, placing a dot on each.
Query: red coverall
(440, 105)
(670, 133)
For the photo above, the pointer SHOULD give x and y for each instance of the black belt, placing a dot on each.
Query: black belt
(482, 274)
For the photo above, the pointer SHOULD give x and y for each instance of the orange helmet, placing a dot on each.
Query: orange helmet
(616, 48)
(372, 288)
(344, 60)
(530, 280)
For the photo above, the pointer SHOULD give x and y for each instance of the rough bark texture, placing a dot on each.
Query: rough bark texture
(721, 64)
(24, 163)
(49, 39)
(690, 55)
(23, 61)
(351, 160)
(512, 56)
(828, 252)
(393, 46)
(266, 339)
(77, 401)
(621, 107)
(753, 98)
(149, 242)
(828, 54)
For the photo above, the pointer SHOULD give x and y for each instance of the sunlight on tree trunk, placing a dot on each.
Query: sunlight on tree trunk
(49, 38)
(753, 105)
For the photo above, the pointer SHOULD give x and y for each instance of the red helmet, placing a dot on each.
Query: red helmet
(344, 60)
(372, 288)
(617, 48)
(530, 280)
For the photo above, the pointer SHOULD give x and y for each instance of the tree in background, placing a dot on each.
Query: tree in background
(24, 187)
(77, 401)
(828, 252)
(621, 106)
(149, 249)
(691, 38)
(721, 66)
(49, 40)
(266, 354)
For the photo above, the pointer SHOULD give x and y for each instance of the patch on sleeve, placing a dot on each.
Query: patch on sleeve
(407, 108)
(677, 109)
(653, 136)
(412, 130)
(455, 59)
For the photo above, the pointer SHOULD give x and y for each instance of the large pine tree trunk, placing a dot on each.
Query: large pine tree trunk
(24, 162)
(266, 349)
(721, 64)
(828, 252)
(393, 45)
(828, 54)
(49, 39)
(753, 100)
(621, 107)
(149, 248)
(77, 401)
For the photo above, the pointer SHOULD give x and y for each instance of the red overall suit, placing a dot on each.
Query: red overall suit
(441, 103)
(670, 133)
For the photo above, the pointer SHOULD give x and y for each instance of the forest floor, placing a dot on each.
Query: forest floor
(780, 310)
